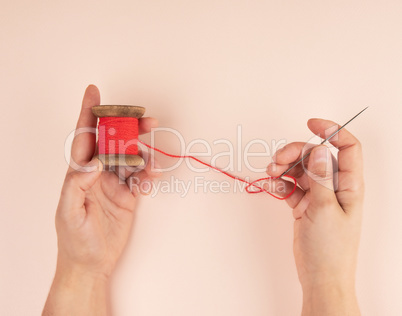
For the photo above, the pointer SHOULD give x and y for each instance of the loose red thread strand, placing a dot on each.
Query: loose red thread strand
(119, 135)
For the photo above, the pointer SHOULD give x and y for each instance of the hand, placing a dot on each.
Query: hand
(95, 211)
(327, 220)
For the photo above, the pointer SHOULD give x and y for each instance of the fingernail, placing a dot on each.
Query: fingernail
(97, 163)
(321, 154)
(93, 165)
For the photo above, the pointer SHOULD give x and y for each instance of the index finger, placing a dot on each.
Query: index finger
(84, 142)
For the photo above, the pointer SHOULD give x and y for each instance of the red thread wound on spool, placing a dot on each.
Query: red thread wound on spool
(118, 135)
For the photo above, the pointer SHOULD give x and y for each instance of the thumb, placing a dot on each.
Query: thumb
(321, 175)
(78, 182)
(86, 176)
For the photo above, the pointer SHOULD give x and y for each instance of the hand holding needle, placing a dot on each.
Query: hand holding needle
(329, 137)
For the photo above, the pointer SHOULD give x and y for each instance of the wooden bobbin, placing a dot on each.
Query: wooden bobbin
(119, 111)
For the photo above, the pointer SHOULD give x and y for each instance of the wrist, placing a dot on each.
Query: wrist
(78, 273)
(79, 278)
(84, 266)
(330, 298)
(76, 291)
(328, 290)
(325, 281)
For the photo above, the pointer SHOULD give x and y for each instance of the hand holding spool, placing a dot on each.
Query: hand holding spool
(96, 209)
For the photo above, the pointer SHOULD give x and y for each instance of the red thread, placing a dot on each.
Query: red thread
(249, 184)
(119, 135)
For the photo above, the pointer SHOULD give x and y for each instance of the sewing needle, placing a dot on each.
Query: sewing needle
(329, 137)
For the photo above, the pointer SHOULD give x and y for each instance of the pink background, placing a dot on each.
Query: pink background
(202, 67)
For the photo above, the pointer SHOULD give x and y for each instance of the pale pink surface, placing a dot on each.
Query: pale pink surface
(202, 67)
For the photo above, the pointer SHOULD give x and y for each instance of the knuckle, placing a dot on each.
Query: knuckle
(321, 175)
(351, 183)
(71, 179)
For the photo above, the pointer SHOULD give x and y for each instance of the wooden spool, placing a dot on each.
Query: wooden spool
(119, 111)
